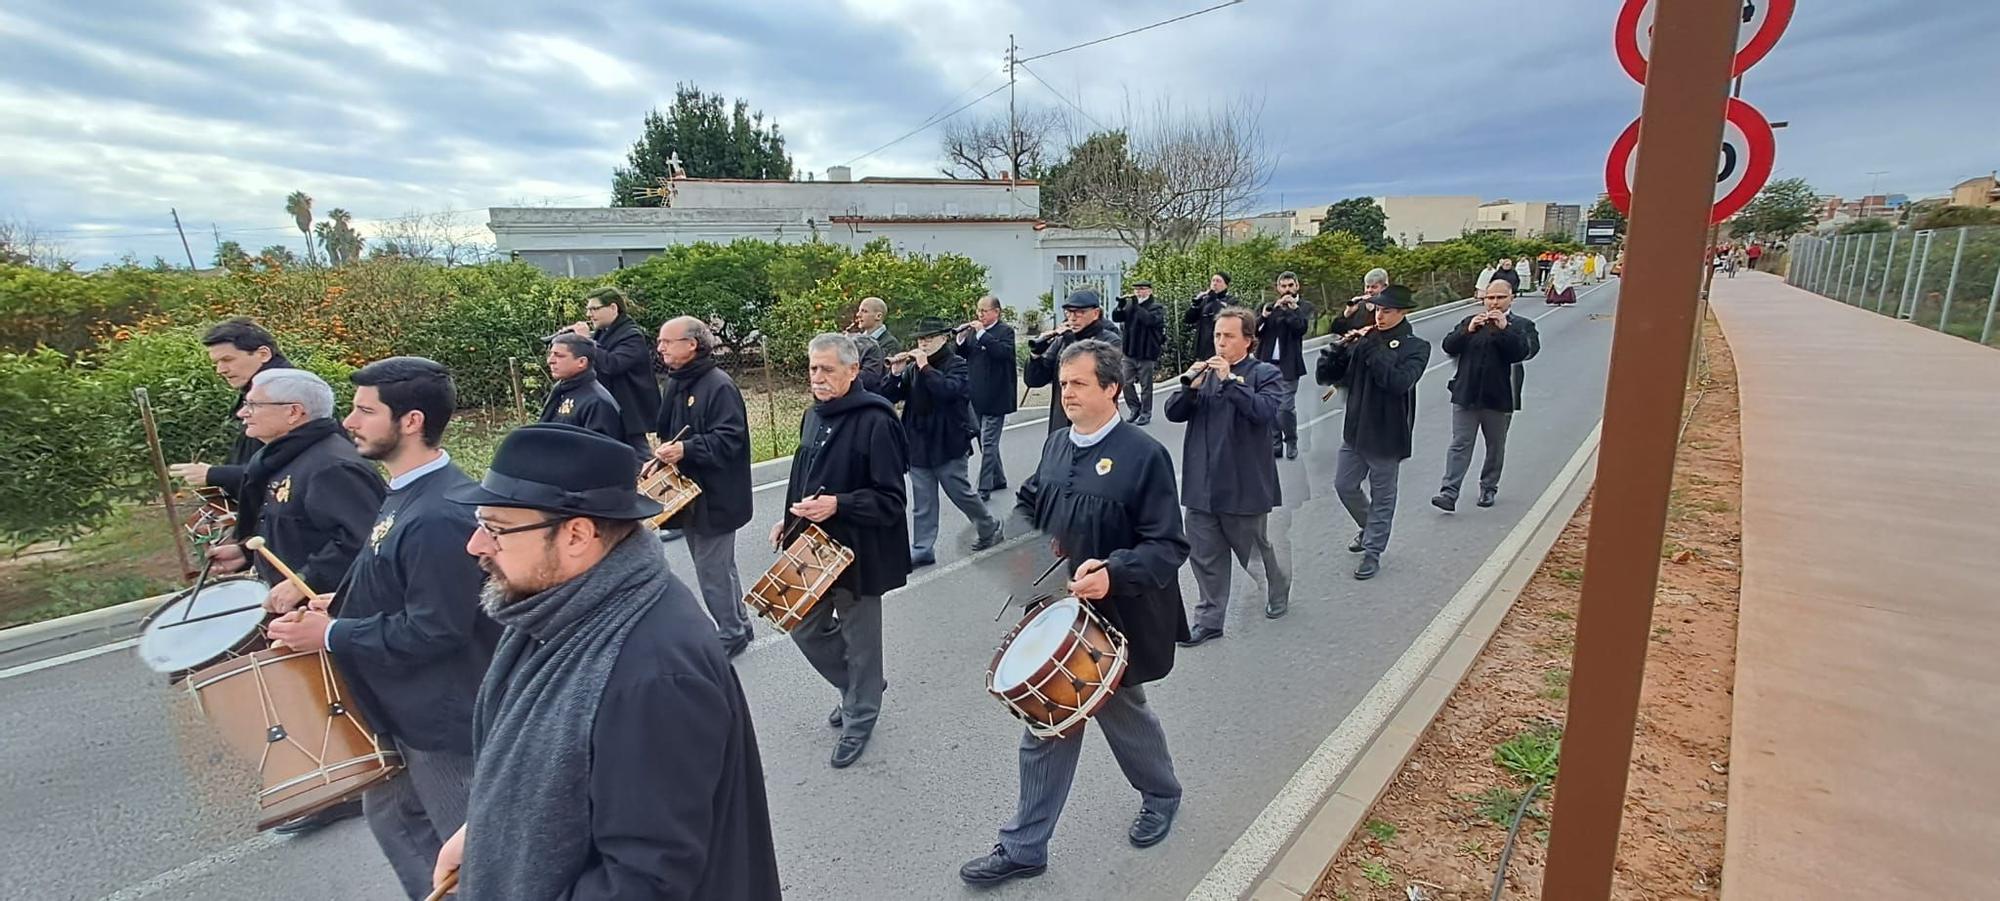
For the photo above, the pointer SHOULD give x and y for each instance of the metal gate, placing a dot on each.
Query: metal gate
(1109, 283)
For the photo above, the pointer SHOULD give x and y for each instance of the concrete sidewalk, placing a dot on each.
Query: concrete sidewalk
(1865, 747)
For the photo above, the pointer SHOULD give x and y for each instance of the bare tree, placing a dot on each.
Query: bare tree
(22, 243)
(442, 237)
(1169, 174)
(981, 148)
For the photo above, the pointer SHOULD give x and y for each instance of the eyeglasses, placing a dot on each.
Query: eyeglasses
(592, 308)
(495, 532)
(252, 405)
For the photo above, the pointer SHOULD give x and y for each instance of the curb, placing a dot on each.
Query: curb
(1338, 816)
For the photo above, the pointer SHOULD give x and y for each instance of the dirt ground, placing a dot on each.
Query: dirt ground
(1438, 832)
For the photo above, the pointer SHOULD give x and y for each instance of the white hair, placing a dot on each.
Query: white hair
(842, 346)
(297, 386)
(1376, 276)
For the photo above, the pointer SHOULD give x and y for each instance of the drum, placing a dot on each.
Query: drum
(196, 628)
(800, 577)
(287, 713)
(673, 490)
(1057, 667)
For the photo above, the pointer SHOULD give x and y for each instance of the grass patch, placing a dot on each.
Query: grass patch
(131, 557)
(1555, 684)
(1531, 755)
(1561, 615)
(1570, 576)
(1377, 873)
(1661, 632)
(1496, 805)
(1380, 830)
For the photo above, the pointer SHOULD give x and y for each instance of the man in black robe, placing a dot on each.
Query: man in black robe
(1380, 367)
(623, 362)
(932, 382)
(614, 756)
(847, 477)
(239, 348)
(1489, 346)
(1144, 326)
(1104, 492)
(1228, 486)
(404, 626)
(577, 398)
(1083, 320)
(1359, 311)
(1281, 331)
(705, 431)
(987, 343)
(1199, 316)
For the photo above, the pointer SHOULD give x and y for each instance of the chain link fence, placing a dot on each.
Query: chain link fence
(1943, 279)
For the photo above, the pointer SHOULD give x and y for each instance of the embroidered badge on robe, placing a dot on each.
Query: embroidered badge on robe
(282, 491)
(1395, 343)
(381, 531)
(1104, 466)
(690, 401)
(567, 407)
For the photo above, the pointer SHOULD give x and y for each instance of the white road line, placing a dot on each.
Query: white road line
(71, 657)
(199, 867)
(1244, 863)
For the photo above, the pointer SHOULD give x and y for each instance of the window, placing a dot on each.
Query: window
(1072, 262)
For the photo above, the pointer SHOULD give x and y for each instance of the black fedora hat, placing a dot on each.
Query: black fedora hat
(559, 468)
(933, 325)
(1396, 297)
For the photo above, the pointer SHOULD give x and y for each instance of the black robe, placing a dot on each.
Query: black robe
(624, 363)
(1226, 448)
(1347, 320)
(936, 416)
(1489, 371)
(1380, 372)
(1144, 326)
(1200, 316)
(1115, 501)
(716, 449)
(993, 369)
(1045, 361)
(582, 401)
(409, 635)
(316, 509)
(853, 448)
(1280, 334)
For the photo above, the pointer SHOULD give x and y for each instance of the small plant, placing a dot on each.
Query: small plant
(1377, 872)
(1570, 576)
(1380, 830)
(1532, 754)
(1555, 684)
(1561, 615)
(1661, 632)
(1474, 848)
(1496, 805)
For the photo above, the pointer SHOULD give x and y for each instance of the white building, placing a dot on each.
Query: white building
(1414, 220)
(994, 223)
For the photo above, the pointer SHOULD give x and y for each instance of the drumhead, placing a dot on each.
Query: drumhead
(1036, 643)
(169, 645)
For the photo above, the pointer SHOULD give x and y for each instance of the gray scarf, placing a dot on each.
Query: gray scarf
(529, 809)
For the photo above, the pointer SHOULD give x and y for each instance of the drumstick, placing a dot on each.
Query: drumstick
(445, 887)
(1009, 602)
(198, 582)
(256, 543)
(785, 537)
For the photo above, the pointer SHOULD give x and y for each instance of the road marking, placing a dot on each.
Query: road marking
(199, 867)
(70, 657)
(1246, 860)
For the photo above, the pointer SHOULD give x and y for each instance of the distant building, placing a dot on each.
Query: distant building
(995, 223)
(1289, 227)
(1982, 192)
(1835, 210)
(1414, 220)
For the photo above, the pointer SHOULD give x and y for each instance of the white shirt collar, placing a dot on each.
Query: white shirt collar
(1082, 440)
(403, 481)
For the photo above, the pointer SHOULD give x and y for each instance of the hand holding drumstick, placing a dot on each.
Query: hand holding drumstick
(1092, 581)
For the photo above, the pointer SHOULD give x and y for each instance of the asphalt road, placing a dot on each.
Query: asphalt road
(110, 786)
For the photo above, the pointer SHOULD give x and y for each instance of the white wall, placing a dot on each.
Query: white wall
(1429, 219)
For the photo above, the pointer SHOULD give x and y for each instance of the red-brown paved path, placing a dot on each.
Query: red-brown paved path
(1865, 748)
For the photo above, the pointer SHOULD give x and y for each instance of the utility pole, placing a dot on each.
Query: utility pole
(1875, 180)
(1013, 129)
(184, 236)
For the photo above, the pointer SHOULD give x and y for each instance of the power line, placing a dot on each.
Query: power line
(1131, 32)
(1059, 96)
(85, 234)
(914, 131)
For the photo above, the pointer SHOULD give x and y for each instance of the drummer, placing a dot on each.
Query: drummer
(1104, 491)
(704, 430)
(408, 634)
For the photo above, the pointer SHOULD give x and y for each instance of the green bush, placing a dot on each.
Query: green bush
(913, 285)
(70, 311)
(62, 462)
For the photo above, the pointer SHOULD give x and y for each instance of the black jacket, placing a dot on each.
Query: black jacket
(1280, 332)
(1226, 462)
(1200, 316)
(716, 449)
(1348, 320)
(624, 363)
(409, 635)
(1506, 275)
(994, 372)
(1045, 359)
(1115, 501)
(1145, 328)
(228, 475)
(582, 401)
(1380, 372)
(316, 509)
(874, 363)
(936, 417)
(1489, 363)
(853, 448)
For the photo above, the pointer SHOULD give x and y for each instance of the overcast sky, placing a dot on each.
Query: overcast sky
(113, 112)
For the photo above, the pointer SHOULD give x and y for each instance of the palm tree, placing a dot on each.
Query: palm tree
(300, 206)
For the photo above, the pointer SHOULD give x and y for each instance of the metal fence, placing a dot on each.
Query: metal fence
(1943, 279)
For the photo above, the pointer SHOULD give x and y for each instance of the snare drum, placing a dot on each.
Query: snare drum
(287, 713)
(673, 490)
(800, 577)
(1057, 667)
(196, 628)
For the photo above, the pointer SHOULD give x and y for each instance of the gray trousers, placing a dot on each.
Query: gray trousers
(842, 639)
(1375, 510)
(414, 813)
(1139, 385)
(721, 586)
(1286, 427)
(924, 485)
(1048, 766)
(1467, 424)
(1213, 538)
(992, 475)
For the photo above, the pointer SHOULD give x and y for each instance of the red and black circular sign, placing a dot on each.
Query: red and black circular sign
(1762, 22)
(1748, 149)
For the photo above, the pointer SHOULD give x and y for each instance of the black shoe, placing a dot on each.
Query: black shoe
(1143, 419)
(1291, 450)
(1278, 451)
(1355, 545)
(736, 648)
(1150, 828)
(669, 534)
(987, 541)
(848, 750)
(1200, 636)
(918, 562)
(1368, 568)
(1271, 612)
(314, 822)
(1445, 502)
(985, 496)
(997, 867)
(1486, 496)
(833, 719)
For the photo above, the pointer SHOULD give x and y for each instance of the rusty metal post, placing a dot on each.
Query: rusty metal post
(1687, 82)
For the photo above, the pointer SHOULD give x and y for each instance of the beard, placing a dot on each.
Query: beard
(376, 450)
(499, 591)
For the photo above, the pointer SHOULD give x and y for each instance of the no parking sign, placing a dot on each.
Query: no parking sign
(1742, 168)
(1762, 23)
